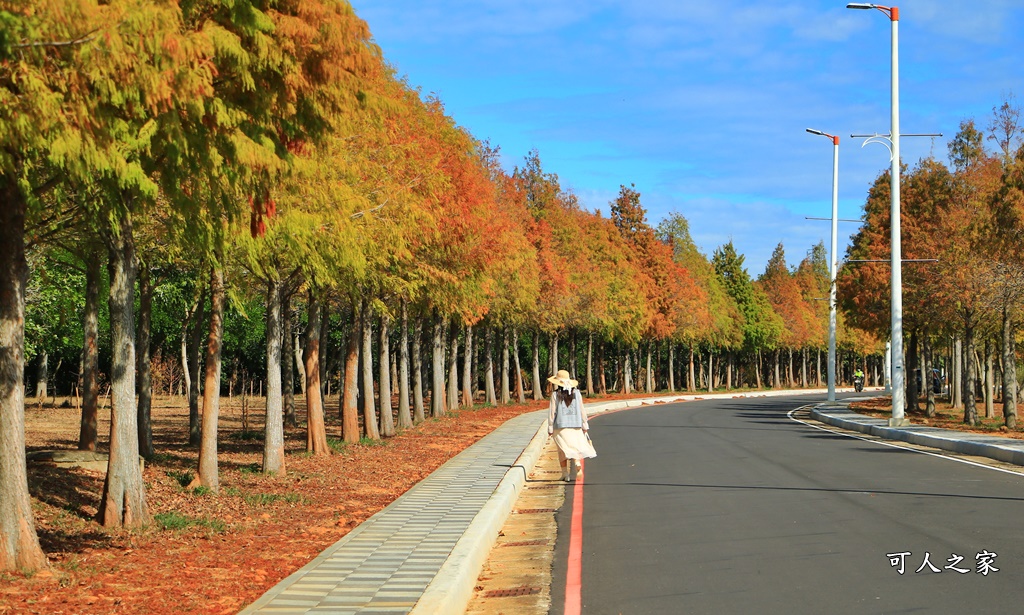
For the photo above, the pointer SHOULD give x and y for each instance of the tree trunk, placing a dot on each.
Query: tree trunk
(552, 357)
(144, 372)
(419, 411)
(956, 387)
(538, 393)
(990, 377)
(803, 368)
(701, 380)
(506, 393)
(627, 376)
(123, 503)
(273, 432)
(316, 430)
(571, 367)
(350, 393)
(791, 377)
(42, 375)
(970, 376)
(671, 367)
(757, 369)
(453, 366)
(1009, 370)
(691, 381)
(186, 378)
(299, 361)
(476, 378)
(91, 356)
(194, 360)
(208, 472)
(730, 360)
(404, 416)
(649, 380)
(711, 371)
(369, 411)
(324, 353)
(777, 369)
(520, 389)
(437, 391)
(467, 369)
(287, 352)
(913, 391)
(489, 393)
(387, 420)
(19, 543)
(590, 364)
(393, 354)
(929, 406)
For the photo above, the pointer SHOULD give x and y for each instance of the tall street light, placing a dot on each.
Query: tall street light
(833, 265)
(898, 375)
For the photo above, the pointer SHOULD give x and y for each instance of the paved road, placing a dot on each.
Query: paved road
(730, 506)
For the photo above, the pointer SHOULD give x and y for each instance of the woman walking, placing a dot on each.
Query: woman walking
(567, 424)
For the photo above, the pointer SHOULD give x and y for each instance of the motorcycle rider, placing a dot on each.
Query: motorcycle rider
(858, 379)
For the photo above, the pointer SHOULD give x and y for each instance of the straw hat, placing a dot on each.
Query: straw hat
(563, 380)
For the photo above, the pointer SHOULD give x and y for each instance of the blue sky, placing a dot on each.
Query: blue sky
(704, 105)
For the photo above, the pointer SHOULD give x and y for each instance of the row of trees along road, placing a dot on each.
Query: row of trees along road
(270, 198)
(969, 216)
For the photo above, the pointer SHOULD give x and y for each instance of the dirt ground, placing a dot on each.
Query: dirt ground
(205, 552)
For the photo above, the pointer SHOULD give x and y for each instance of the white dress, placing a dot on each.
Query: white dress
(572, 443)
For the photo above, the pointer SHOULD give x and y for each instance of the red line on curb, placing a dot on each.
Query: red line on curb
(574, 576)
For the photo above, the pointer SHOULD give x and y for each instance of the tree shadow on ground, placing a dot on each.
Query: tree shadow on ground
(71, 489)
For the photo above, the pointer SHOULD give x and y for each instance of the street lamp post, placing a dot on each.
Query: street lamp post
(898, 375)
(832, 266)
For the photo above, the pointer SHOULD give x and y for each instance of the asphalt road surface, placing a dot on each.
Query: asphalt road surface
(730, 506)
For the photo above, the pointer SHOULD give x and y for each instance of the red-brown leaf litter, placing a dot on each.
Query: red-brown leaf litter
(207, 553)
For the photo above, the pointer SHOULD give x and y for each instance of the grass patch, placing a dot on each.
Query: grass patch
(371, 442)
(202, 490)
(264, 499)
(182, 477)
(252, 468)
(72, 564)
(247, 436)
(174, 520)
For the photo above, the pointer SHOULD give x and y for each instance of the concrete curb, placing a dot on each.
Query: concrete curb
(993, 447)
(452, 588)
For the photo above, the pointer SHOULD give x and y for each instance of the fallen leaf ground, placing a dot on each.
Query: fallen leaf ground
(946, 417)
(207, 553)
